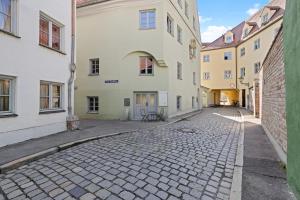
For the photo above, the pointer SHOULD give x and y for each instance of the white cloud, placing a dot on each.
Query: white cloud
(214, 32)
(204, 19)
(253, 10)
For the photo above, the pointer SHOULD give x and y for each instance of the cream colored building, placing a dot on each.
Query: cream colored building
(137, 56)
(231, 64)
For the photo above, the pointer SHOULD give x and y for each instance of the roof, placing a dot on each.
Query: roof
(83, 3)
(278, 6)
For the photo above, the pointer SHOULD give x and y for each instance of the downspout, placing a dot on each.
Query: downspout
(72, 121)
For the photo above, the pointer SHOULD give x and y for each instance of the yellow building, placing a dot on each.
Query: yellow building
(231, 64)
(137, 56)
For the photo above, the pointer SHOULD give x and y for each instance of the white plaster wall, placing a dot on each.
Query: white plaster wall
(30, 63)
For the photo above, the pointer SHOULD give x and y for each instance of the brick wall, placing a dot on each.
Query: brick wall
(273, 97)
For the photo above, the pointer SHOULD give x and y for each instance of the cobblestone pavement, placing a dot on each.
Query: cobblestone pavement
(192, 159)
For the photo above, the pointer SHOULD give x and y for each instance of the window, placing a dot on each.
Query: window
(179, 3)
(227, 56)
(6, 95)
(50, 96)
(265, 18)
(94, 66)
(243, 51)
(50, 33)
(194, 78)
(193, 102)
(178, 103)
(194, 22)
(206, 58)
(256, 67)
(186, 9)
(227, 74)
(147, 19)
(228, 39)
(146, 66)
(243, 72)
(93, 104)
(8, 15)
(256, 44)
(246, 32)
(170, 25)
(179, 71)
(179, 34)
(206, 76)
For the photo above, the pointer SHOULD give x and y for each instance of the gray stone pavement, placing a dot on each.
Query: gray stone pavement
(263, 175)
(191, 159)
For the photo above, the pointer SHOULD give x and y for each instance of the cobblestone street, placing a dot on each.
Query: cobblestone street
(191, 159)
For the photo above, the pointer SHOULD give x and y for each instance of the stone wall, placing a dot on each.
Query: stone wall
(273, 97)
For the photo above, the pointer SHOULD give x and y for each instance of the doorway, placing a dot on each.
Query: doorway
(144, 101)
(243, 98)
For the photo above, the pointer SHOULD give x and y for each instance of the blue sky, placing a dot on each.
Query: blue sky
(217, 16)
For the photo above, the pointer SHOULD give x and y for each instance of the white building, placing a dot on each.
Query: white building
(35, 50)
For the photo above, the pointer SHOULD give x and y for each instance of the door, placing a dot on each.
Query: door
(144, 102)
(243, 98)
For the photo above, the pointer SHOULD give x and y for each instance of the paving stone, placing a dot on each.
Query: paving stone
(88, 196)
(77, 192)
(127, 195)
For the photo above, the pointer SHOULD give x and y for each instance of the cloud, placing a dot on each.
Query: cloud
(204, 19)
(253, 10)
(214, 32)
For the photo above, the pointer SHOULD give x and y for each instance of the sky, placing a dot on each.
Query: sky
(218, 16)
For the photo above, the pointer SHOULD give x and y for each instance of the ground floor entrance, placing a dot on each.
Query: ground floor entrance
(144, 102)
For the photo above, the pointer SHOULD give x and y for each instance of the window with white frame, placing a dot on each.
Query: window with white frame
(265, 18)
(147, 19)
(179, 34)
(94, 66)
(256, 67)
(243, 72)
(228, 56)
(228, 39)
(6, 95)
(51, 96)
(186, 9)
(256, 44)
(246, 32)
(194, 78)
(243, 51)
(194, 22)
(206, 76)
(50, 32)
(8, 15)
(179, 3)
(170, 25)
(179, 71)
(206, 58)
(146, 65)
(227, 74)
(93, 104)
(179, 103)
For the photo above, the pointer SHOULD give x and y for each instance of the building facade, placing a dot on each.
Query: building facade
(231, 64)
(35, 38)
(137, 56)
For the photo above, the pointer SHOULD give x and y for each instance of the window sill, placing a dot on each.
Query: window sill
(9, 33)
(94, 74)
(46, 112)
(93, 113)
(147, 75)
(8, 115)
(50, 48)
(146, 29)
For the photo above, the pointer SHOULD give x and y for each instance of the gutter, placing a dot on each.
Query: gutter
(72, 121)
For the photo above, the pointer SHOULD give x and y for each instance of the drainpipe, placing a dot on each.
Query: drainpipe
(72, 120)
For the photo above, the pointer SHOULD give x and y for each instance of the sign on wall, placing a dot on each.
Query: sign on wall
(162, 98)
(111, 81)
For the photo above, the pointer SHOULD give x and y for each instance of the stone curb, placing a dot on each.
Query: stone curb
(236, 187)
(27, 159)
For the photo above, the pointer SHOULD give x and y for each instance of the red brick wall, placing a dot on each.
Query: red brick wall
(273, 98)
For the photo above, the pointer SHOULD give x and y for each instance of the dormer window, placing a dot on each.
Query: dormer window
(246, 32)
(265, 18)
(228, 39)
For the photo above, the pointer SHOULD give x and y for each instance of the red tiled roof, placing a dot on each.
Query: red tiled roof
(277, 5)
